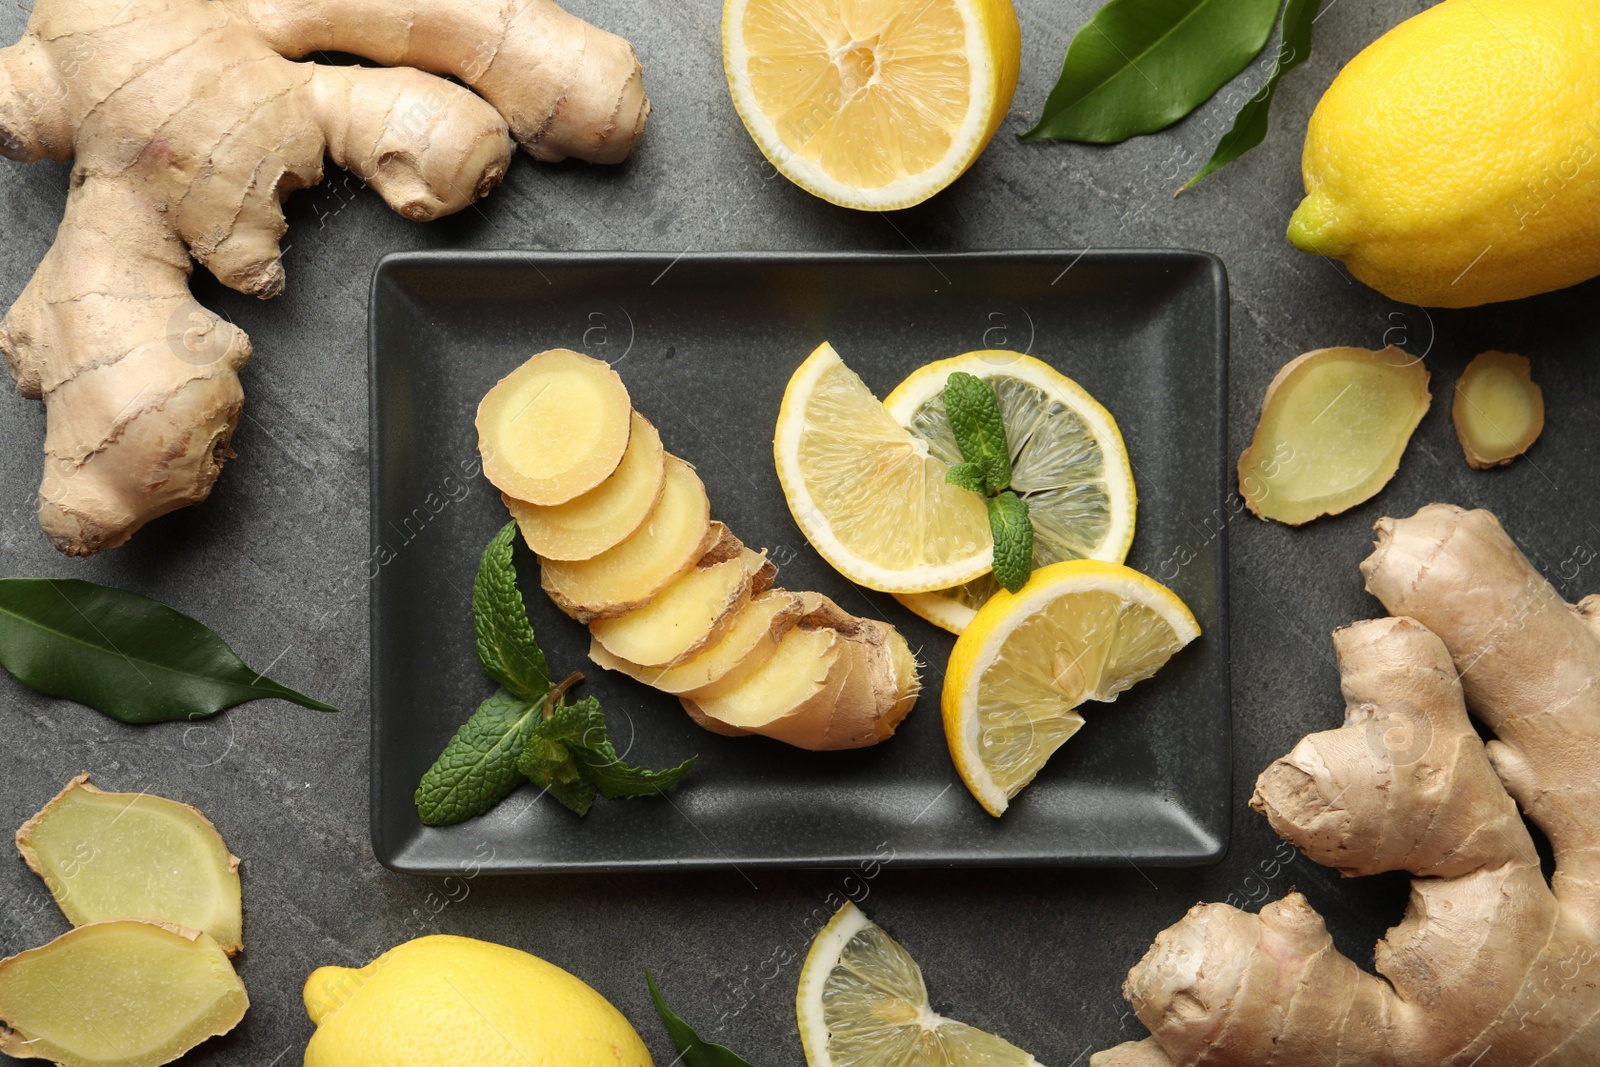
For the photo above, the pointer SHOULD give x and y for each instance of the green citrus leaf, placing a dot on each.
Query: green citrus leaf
(692, 1050)
(1250, 125)
(1138, 66)
(125, 655)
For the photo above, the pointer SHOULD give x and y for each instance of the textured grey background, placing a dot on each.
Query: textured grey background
(276, 562)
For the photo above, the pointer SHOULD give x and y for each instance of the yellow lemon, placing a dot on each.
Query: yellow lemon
(862, 1003)
(870, 497)
(1067, 461)
(1456, 161)
(445, 1001)
(1079, 630)
(873, 104)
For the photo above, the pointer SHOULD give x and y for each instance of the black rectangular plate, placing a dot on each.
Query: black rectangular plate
(706, 344)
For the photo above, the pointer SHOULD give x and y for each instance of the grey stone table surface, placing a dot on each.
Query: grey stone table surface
(276, 560)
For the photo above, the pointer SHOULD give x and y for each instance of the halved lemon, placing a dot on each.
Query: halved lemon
(873, 104)
(1079, 630)
(1068, 462)
(866, 493)
(862, 1002)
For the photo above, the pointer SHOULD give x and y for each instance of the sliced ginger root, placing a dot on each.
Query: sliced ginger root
(187, 131)
(554, 428)
(625, 578)
(691, 613)
(602, 518)
(1490, 965)
(1498, 409)
(134, 856)
(122, 993)
(672, 598)
(748, 642)
(1333, 426)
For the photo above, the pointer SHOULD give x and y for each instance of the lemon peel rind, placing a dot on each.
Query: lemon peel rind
(827, 946)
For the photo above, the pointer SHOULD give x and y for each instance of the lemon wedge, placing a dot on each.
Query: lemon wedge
(866, 493)
(862, 1002)
(1079, 630)
(1068, 462)
(874, 105)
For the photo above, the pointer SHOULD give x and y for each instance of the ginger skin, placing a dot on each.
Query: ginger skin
(188, 125)
(1491, 966)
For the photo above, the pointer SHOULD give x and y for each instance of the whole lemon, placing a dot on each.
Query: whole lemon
(443, 1001)
(1456, 161)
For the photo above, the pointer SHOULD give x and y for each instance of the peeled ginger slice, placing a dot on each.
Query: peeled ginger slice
(118, 994)
(1498, 410)
(554, 428)
(675, 536)
(134, 856)
(689, 614)
(800, 679)
(1333, 427)
(586, 526)
(750, 641)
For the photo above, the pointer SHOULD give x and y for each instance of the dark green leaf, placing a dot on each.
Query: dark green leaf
(1250, 125)
(506, 646)
(973, 409)
(128, 656)
(616, 779)
(582, 722)
(1139, 66)
(478, 768)
(1013, 540)
(967, 476)
(692, 1051)
(577, 794)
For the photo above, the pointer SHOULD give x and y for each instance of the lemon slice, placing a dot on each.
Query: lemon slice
(1079, 630)
(862, 1003)
(874, 105)
(1068, 463)
(866, 493)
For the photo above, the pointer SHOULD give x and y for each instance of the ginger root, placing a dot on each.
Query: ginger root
(1491, 966)
(188, 125)
(1498, 409)
(679, 603)
(1334, 424)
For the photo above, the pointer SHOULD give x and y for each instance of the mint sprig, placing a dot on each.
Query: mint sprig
(973, 408)
(526, 731)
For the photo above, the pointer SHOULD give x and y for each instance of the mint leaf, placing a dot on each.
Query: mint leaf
(1250, 124)
(692, 1051)
(616, 779)
(980, 431)
(583, 723)
(967, 476)
(1013, 540)
(478, 768)
(507, 648)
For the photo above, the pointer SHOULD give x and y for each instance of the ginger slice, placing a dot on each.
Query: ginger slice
(750, 641)
(1498, 409)
(690, 614)
(602, 518)
(784, 699)
(1333, 426)
(621, 579)
(134, 856)
(554, 428)
(118, 994)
